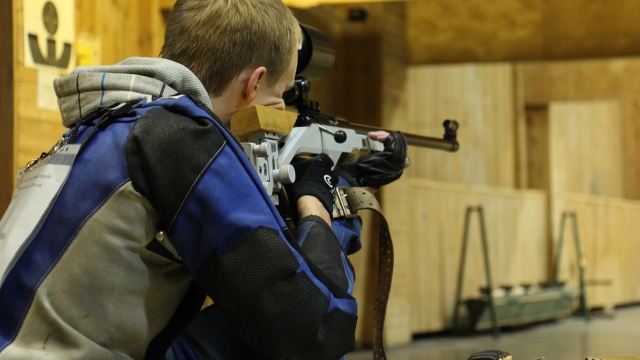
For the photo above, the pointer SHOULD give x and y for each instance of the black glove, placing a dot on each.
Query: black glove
(313, 177)
(380, 168)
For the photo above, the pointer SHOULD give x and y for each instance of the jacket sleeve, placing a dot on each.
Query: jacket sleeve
(282, 302)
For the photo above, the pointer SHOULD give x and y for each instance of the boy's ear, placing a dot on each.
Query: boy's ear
(253, 83)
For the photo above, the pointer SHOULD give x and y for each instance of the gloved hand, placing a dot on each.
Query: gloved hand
(313, 177)
(380, 168)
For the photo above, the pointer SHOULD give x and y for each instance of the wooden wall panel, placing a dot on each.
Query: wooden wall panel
(123, 27)
(586, 150)
(574, 80)
(427, 221)
(481, 99)
(37, 130)
(610, 243)
(538, 174)
(630, 138)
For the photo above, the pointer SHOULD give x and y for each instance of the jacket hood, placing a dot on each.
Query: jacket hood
(136, 78)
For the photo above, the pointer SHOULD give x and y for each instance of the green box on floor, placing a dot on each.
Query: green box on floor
(521, 309)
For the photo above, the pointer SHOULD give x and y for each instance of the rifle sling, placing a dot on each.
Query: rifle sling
(359, 198)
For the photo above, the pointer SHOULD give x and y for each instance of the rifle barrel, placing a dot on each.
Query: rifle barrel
(416, 140)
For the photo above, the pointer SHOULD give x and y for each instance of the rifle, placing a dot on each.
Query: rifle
(272, 138)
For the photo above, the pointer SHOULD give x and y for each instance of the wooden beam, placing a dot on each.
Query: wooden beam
(6, 105)
(441, 31)
(581, 80)
(303, 4)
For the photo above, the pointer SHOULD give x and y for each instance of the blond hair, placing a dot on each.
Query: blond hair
(218, 39)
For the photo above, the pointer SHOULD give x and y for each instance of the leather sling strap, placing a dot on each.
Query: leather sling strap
(359, 198)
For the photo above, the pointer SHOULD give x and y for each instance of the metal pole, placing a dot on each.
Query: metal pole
(485, 250)
(465, 234)
(583, 290)
(556, 270)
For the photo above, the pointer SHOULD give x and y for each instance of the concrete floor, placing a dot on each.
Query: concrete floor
(572, 338)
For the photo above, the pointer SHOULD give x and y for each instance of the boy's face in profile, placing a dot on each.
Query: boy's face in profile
(272, 96)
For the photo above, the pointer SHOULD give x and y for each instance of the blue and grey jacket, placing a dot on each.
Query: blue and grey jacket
(161, 208)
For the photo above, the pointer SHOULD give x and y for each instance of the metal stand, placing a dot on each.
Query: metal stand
(582, 292)
(485, 251)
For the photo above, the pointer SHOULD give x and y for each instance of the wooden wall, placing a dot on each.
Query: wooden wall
(565, 128)
(583, 117)
(428, 219)
(586, 151)
(445, 31)
(487, 126)
(122, 28)
(580, 151)
(426, 208)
